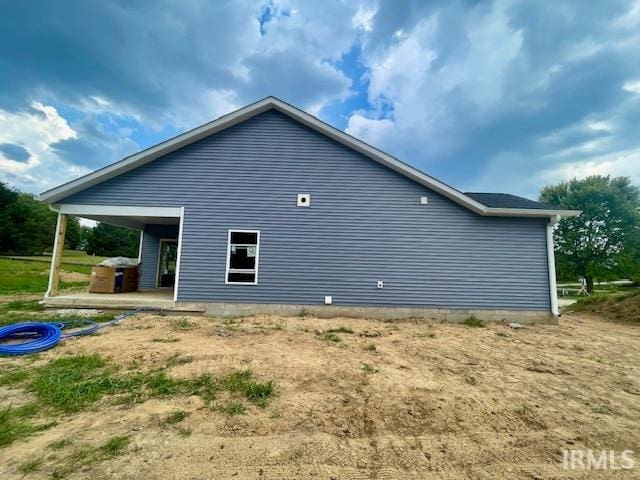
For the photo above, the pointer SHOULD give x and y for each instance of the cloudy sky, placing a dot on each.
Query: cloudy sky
(487, 96)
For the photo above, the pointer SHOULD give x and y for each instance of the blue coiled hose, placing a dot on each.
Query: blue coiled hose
(43, 336)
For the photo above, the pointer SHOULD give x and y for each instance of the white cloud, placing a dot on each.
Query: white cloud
(625, 163)
(426, 93)
(36, 131)
(363, 18)
(632, 87)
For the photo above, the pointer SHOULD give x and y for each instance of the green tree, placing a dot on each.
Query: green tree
(111, 241)
(597, 243)
(27, 227)
(73, 235)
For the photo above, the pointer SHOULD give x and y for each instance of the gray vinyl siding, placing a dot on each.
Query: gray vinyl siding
(365, 224)
(150, 250)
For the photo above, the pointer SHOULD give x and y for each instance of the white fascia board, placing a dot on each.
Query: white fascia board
(238, 116)
(119, 211)
(529, 212)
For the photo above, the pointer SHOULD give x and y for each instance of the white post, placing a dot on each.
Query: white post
(179, 255)
(56, 256)
(551, 261)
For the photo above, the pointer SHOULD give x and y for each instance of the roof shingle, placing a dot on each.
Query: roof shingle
(506, 200)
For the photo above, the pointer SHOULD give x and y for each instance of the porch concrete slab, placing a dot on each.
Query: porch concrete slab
(160, 298)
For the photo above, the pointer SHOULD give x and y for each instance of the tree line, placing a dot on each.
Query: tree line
(27, 227)
(602, 243)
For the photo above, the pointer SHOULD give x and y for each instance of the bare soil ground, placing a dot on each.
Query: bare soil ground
(405, 400)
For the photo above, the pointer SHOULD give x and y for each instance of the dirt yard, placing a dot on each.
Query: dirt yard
(404, 400)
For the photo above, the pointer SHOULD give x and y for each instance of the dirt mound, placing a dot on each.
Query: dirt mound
(620, 308)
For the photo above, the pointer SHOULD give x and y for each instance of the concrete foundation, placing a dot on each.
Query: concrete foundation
(381, 313)
(164, 299)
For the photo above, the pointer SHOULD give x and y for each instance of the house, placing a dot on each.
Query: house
(270, 210)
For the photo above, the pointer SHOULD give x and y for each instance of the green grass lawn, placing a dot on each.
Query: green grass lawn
(23, 276)
(68, 256)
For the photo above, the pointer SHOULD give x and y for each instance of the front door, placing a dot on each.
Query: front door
(167, 263)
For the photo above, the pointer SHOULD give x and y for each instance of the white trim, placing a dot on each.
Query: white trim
(160, 242)
(177, 281)
(529, 212)
(53, 256)
(119, 210)
(257, 262)
(242, 114)
(551, 263)
(140, 247)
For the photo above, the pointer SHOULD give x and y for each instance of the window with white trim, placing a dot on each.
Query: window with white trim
(242, 257)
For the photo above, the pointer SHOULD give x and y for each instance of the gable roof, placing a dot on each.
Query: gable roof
(226, 121)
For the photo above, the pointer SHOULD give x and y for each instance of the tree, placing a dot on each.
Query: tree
(597, 243)
(111, 241)
(27, 227)
(73, 234)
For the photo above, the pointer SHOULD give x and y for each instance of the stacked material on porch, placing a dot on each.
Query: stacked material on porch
(114, 275)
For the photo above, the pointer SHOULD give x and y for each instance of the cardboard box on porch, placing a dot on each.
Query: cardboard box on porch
(113, 280)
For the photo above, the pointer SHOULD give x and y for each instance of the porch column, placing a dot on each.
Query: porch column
(56, 256)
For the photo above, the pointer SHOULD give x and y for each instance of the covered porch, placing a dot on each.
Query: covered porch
(158, 257)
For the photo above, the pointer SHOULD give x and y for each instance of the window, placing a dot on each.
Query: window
(242, 257)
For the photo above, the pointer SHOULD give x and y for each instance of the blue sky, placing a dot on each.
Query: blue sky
(487, 96)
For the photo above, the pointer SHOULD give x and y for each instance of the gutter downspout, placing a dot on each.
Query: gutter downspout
(551, 263)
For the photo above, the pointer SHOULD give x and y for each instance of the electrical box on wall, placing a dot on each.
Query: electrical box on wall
(328, 299)
(424, 200)
(380, 284)
(304, 199)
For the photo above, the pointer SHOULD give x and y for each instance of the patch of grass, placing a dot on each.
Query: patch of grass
(242, 381)
(623, 306)
(23, 305)
(474, 322)
(15, 423)
(85, 456)
(71, 383)
(340, 330)
(370, 347)
(22, 276)
(165, 340)
(369, 369)
(115, 445)
(231, 324)
(14, 377)
(329, 337)
(183, 324)
(205, 386)
(184, 431)
(303, 313)
(601, 409)
(31, 466)
(161, 385)
(175, 417)
(234, 407)
(502, 334)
